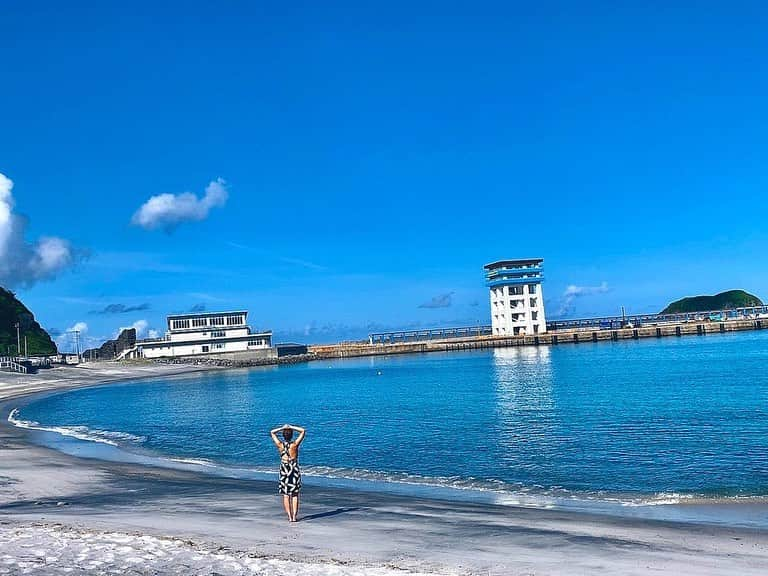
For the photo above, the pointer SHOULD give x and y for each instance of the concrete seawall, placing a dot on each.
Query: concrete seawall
(351, 350)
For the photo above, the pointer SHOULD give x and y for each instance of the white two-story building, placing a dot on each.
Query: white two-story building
(209, 333)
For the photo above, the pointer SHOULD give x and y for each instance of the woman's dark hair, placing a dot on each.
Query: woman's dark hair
(288, 434)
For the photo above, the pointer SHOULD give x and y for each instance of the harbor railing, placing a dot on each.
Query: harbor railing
(639, 320)
(597, 323)
(431, 334)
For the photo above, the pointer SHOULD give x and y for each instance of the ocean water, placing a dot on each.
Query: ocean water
(637, 422)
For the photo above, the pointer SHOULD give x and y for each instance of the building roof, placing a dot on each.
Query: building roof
(207, 314)
(524, 262)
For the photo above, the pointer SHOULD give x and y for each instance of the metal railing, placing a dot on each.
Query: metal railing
(638, 320)
(598, 323)
(402, 336)
(12, 364)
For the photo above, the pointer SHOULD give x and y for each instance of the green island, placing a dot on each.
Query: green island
(721, 301)
(12, 311)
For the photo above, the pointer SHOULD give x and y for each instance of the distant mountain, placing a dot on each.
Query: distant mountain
(729, 299)
(12, 311)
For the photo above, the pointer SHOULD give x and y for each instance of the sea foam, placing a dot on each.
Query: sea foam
(80, 432)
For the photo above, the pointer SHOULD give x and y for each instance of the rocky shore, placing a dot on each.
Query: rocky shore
(237, 363)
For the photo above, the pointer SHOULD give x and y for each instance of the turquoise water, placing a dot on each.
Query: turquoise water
(646, 420)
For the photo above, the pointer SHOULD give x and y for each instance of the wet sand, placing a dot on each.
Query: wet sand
(61, 512)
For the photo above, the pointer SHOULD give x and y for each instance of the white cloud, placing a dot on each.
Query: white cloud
(53, 253)
(23, 263)
(573, 292)
(576, 291)
(169, 210)
(79, 327)
(67, 340)
(153, 334)
(6, 206)
(141, 327)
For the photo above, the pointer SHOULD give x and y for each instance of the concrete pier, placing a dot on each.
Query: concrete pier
(561, 337)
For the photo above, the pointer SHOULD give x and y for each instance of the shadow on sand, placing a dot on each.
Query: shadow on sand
(329, 513)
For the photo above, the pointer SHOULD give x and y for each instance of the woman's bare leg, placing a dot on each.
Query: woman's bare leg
(295, 507)
(287, 506)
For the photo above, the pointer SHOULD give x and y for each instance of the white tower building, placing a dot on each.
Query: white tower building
(517, 301)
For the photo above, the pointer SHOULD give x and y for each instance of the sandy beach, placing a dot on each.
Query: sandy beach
(67, 515)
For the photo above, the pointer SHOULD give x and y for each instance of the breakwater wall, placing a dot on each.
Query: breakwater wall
(224, 361)
(702, 328)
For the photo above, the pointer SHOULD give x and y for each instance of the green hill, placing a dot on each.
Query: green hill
(13, 311)
(722, 301)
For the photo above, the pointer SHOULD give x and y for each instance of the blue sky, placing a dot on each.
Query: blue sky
(375, 156)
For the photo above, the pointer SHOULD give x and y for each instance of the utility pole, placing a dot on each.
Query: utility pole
(18, 339)
(77, 342)
(26, 347)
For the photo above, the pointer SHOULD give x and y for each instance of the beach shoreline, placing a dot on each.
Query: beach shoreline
(49, 497)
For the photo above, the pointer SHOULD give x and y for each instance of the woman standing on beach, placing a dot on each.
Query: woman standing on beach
(290, 474)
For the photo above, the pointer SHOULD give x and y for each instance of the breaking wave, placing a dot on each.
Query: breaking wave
(80, 432)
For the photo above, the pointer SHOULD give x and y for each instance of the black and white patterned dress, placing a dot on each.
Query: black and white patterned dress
(290, 474)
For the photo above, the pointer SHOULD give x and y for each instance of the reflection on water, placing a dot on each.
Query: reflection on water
(523, 378)
(525, 405)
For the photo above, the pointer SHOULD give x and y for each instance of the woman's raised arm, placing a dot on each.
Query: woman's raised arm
(302, 432)
(273, 434)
